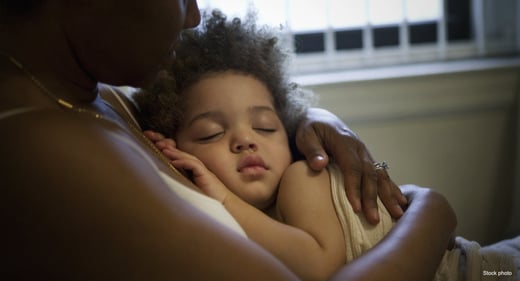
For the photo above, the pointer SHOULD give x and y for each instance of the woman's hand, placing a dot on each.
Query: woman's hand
(323, 133)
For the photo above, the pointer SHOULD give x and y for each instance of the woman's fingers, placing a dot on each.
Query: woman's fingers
(322, 135)
(390, 194)
(310, 145)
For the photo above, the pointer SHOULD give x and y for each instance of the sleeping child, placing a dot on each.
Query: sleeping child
(232, 114)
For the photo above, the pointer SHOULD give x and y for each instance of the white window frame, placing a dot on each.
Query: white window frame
(368, 57)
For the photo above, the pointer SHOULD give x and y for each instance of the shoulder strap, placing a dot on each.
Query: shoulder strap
(115, 97)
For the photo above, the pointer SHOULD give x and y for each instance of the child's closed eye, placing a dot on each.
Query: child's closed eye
(210, 137)
(266, 130)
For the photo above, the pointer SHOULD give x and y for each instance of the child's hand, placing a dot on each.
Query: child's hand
(160, 141)
(200, 175)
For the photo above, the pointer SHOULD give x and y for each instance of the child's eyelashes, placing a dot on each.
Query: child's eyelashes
(210, 137)
(265, 130)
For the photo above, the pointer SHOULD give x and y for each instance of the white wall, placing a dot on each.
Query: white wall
(455, 132)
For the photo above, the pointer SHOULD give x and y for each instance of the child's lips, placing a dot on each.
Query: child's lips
(253, 171)
(252, 165)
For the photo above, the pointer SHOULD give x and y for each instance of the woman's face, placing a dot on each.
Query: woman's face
(231, 125)
(125, 42)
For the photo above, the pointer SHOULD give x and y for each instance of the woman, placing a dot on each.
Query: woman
(82, 194)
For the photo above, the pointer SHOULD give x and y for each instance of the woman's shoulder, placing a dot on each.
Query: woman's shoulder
(42, 124)
(51, 136)
(62, 150)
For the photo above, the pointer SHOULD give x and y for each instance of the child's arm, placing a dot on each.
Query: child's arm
(314, 252)
(305, 202)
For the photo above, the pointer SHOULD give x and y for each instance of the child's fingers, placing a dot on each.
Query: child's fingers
(178, 154)
(153, 136)
(166, 144)
(160, 141)
(170, 154)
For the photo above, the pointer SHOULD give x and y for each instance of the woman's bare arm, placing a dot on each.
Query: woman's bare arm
(80, 204)
(414, 247)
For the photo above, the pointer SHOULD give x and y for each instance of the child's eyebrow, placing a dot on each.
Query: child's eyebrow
(213, 115)
(219, 115)
(261, 108)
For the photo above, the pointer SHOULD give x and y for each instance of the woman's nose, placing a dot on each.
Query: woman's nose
(192, 14)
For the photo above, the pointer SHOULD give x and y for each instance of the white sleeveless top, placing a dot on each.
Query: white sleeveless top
(207, 205)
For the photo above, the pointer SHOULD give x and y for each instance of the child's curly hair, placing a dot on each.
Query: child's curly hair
(217, 46)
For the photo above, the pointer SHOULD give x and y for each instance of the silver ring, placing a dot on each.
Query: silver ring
(381, 166)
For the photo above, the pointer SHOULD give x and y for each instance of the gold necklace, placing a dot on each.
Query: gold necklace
(65, 104)
(61, 102)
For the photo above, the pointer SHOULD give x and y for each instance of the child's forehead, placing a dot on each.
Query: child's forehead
(226, 75)
(228, 87)
(231, 97)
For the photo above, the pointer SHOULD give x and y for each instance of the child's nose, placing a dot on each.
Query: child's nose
(244, 143)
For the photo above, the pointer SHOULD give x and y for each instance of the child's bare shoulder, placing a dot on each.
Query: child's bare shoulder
(300, 170)
(299, 178)
(297, 168)
(303, 193)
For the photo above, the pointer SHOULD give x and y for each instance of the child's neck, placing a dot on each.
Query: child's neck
(272, 212)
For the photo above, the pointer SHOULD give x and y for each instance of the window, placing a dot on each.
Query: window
(342, 34)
